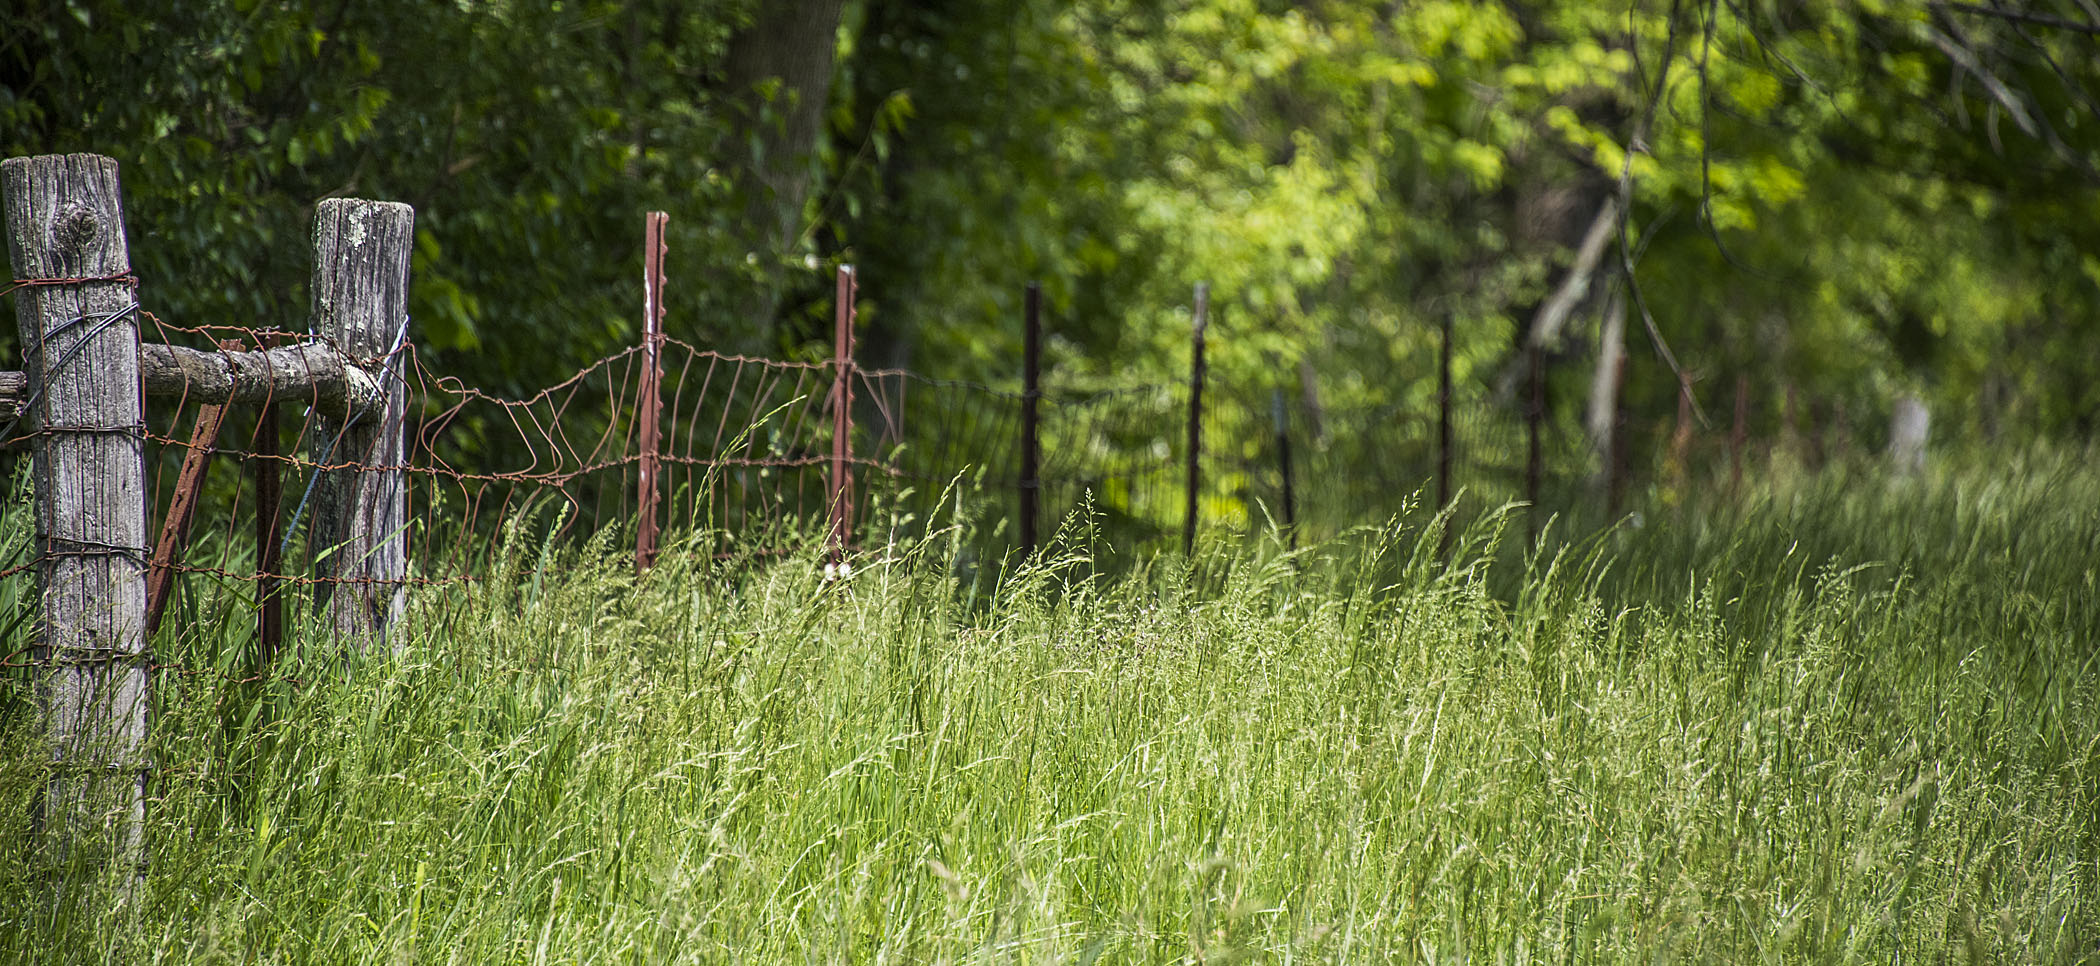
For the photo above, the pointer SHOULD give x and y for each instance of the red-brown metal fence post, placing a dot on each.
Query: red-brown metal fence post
(651, 412)
(1195, 454)
(182, 508)
(842, 417)
(269, 498)
(1534, 424)
(1031, 483)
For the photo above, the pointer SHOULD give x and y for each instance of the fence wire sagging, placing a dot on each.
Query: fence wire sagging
(267, 451)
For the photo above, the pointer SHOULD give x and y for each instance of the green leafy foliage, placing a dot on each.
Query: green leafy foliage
(1858, 200)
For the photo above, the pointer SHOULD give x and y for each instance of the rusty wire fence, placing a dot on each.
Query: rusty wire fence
(738, 457)
(746, 465)
(744, 453)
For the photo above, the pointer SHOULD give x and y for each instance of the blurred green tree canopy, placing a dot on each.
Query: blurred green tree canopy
(1861, 198)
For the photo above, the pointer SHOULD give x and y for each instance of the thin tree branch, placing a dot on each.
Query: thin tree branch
(1637, 144)
(2022, 16)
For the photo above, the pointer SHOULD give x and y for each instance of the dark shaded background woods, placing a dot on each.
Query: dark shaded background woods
(1853, 201)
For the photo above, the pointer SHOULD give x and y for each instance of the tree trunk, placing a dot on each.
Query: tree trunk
(777, 129)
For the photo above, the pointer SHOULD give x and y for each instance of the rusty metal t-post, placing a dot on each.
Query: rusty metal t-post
(842, 417)
(651, 412)
(1031, 483)
(182, 508)
(269, 530)
(1195, 454)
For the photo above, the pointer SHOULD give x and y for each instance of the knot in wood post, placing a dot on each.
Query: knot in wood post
(78, 320)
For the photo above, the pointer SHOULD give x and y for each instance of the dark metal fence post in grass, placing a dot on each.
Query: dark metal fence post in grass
(1534, 420)
(841, 483)
(1680, 468)
(651, 411)
(1195, 454)
(1282, 418)
(1031, 483)
(1443, 426)
(269, 499)
(1615, 490)
(359, 539)
(1738, 431)
(1790, 423)
(78, 315)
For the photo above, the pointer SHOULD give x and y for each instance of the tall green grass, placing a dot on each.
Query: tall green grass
(1845, 719)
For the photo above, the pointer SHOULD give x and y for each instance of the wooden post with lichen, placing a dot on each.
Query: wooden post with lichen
(80, 343)
(359, 540)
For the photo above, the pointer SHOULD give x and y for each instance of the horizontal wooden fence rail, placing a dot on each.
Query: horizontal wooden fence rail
(313, 372)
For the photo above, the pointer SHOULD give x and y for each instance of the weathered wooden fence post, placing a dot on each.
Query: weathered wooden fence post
(78, 319)
(1031, 483)
(1195, 461)
(651, 411)
(841, 487)
(360, 305)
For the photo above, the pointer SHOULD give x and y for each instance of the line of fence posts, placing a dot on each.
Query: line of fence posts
(1030, 483)
(86, 379)
(1195, 453)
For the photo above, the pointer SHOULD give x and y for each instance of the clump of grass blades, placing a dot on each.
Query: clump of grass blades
(1604, 751)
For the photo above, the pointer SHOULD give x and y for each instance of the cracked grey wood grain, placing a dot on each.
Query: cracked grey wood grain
(65, 220)
(360, 305)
